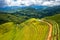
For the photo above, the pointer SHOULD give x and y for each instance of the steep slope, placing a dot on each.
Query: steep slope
(7, 31)
(16, 18)
(31, 29)
(56, 21)
(55, 18)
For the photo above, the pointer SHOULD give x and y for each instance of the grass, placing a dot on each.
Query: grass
(31, 29)
(55, 18)
(7, 31)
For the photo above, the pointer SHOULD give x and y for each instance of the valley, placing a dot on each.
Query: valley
(33, 26)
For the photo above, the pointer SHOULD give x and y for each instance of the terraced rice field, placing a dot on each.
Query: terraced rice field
(55, 31)
(29, 30)
(34, 30)
(7, 31)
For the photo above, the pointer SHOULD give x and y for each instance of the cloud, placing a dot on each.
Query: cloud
(2, 3)
(29, 2)
(18, 3)
(51, 3)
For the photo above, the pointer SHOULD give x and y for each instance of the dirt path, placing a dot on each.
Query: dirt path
(50, 29)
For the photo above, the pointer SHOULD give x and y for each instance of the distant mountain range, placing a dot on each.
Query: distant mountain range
(39, 12)
(16, 8)
(32, 11)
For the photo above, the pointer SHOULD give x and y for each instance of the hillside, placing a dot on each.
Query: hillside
(34, 11)
(38, 29)
(7, 31)
(39, 12)
(19, 25)
(16, 18)
(31, 29)
(56, 19)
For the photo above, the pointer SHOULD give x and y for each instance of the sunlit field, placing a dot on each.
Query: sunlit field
(31, 29)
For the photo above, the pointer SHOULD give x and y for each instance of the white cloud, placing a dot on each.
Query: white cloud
(30, 2)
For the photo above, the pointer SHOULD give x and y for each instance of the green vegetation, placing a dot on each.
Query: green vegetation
(31, 29)
(55, 18)
(34, 30)
(38, 12)
(16, 18)
(18, 27)
(7, 31)
(56, 21)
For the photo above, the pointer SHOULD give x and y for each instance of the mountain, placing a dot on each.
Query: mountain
(39, 12)
(16, 8)
(24, 31)
(54, 9)
(16, 26)
(33, 11)
(56, 19)
(16, 18)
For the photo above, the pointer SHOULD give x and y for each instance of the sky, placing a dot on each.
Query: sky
(9, 3)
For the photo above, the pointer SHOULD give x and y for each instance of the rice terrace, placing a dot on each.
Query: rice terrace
(29, 19)
(32, 29)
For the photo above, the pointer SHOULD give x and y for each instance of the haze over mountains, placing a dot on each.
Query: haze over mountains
(10, 5)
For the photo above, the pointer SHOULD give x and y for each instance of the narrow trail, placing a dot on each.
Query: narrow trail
(50, 29)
